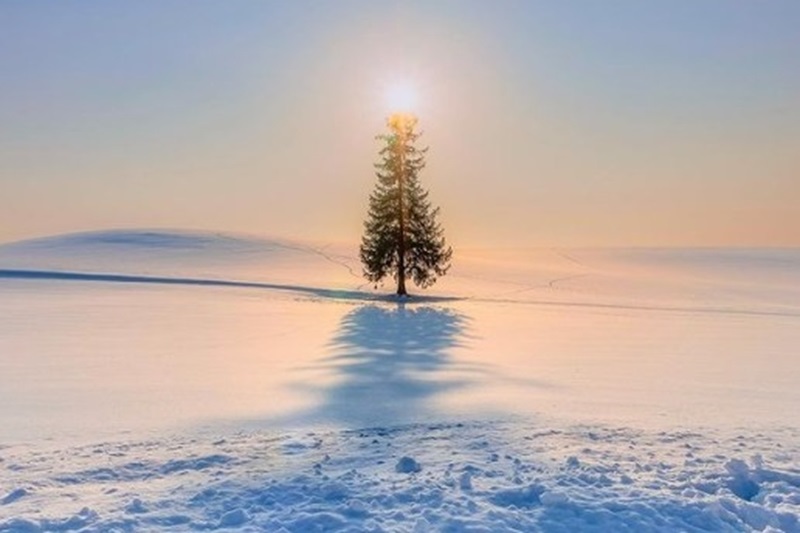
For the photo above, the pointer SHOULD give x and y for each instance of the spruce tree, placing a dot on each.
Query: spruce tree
(401, 234)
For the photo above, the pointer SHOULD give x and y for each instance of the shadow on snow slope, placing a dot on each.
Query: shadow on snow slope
(339, 294)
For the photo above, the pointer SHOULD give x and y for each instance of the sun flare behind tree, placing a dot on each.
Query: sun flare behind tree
(401, 97)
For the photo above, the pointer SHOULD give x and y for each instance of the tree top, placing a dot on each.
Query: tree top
(401, 121)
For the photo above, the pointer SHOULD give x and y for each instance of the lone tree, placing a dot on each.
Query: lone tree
(401, 234)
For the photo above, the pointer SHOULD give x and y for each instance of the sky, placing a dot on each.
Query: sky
(550, 123)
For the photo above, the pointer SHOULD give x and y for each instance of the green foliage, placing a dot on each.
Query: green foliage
(401, 234)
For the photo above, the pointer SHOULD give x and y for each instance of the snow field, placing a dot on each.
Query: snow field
(189, 381)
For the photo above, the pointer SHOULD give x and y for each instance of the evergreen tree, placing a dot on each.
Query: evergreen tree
(401, 234)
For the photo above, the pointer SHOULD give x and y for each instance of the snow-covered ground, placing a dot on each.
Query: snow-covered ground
(154, 380)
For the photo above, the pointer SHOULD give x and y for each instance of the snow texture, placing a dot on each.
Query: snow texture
(156, 380)
(490, 476)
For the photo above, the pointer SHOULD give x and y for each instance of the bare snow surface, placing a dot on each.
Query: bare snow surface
(183, 381)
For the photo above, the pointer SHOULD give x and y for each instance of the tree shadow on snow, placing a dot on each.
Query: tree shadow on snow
(390, 364)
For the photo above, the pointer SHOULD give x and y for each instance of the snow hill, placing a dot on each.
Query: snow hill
(161, 380)
(180, 254)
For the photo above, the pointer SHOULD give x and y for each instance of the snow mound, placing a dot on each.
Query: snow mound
(181, 253)
(141, 244)
(407, 465)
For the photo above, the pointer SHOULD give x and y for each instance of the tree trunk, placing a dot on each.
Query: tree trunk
(401, 283)
(401, 251)
(401, 248)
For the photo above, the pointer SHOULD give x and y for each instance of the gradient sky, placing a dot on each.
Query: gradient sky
(550, 123)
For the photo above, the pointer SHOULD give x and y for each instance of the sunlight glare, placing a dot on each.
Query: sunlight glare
(401, 97)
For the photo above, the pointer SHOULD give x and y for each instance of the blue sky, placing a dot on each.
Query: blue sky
(550, 123)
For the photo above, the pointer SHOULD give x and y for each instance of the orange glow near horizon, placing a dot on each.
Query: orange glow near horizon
(539, 134)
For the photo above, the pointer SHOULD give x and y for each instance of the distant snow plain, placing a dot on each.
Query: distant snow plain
(178, 381)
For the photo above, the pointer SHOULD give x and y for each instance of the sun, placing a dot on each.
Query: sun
(401, 97)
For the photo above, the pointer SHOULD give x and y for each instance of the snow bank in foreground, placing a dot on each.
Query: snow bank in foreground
(450, 477)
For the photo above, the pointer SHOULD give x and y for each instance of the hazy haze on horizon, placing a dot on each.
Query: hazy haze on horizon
(550, 123)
